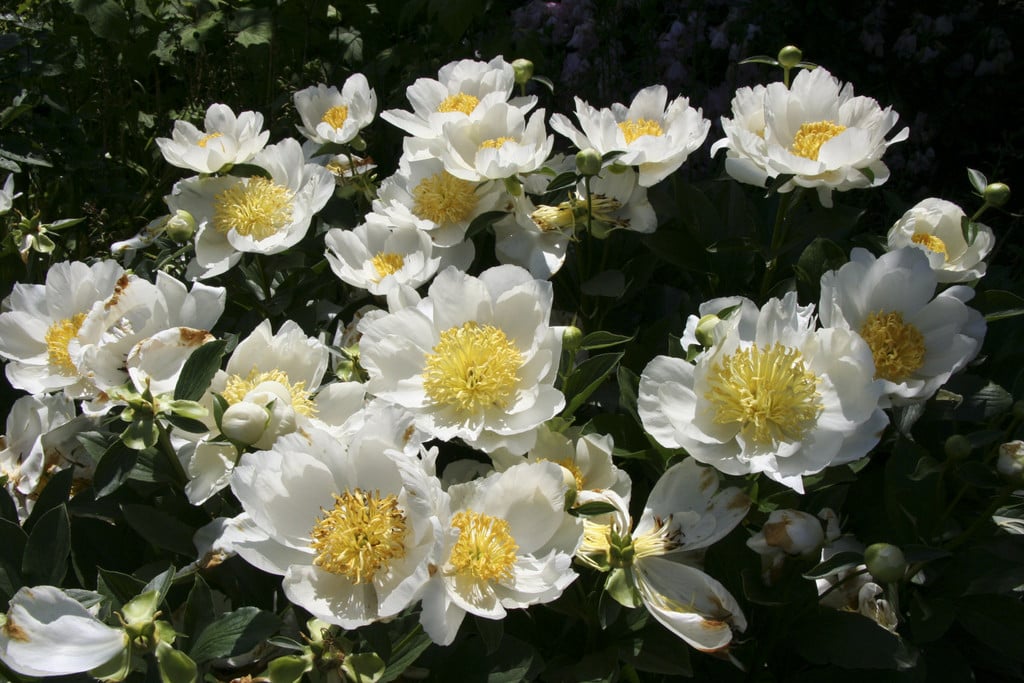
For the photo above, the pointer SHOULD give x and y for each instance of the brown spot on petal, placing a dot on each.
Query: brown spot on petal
(740, 500)
(713, 624)
(193, 337)
(14, 632)
(777, 536)
(409, 431)
(122, 284)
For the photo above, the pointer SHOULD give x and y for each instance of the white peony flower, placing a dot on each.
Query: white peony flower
(226, 140)
(815, 130)
(462, 88)
(329, 116)
(918, 339)
(654, 135)
(39, 322)
(934, 226)
(350, 526)
(476, 359)
(787, 533)
(498, 144)
(659, 561)
(771, 395)
(255, 214)
(508, 544)
(48, 633)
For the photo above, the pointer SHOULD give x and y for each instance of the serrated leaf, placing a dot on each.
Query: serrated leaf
(234, 633)
(198, 371)
(48, 548)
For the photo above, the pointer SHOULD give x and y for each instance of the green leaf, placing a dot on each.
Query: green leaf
(834, 564)
(969, 229)
(586, 378)
(998, 304)
(175, 666)
(996, 620)
(198, 371)
(602, 340)
(845, 639)
(48, 549)
(56, 492)
(930, 618)
(234, 633)
(778, 181)
(106, 18)
(978, 180)
(142, 432)
(160, 528)
(403, 657)
(8, 510)
(608, 283)
(119, 588)
(12, 552)
(289, 669)
(199, 611)
(545, 81)
(113, 468)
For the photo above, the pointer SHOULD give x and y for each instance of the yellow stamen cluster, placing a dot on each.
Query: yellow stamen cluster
(898, 347)
(931, 243)
(205, 140)
(459, 102)
(635, 128)
(58, 336)
(808, 140)
(258, 208)
(335, 117)
(443, 198)
(387, 263)
(574, 470)
(496, 143)
(360, 535)
(663, 538)
(472, 367)
(769, 393)
(237, 387)
(485, 550)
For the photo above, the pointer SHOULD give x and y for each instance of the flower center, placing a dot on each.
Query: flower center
(360, 535)
(258, 208)
(205, 140)
(808, 140)
(485, 550)
(459, 102)
(574, 470)
(335, 116)
(58, 336)
(496, 143)
(443, 198)
(931, 243)
(769, 392)
(237, 387)
(663, 538)
(634, 128)
(473, 367)
(898, 347)
(387, 263)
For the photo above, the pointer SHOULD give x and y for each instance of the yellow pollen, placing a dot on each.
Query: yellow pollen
(58, 336)
(472, 368)
(443, 198)
(387, 263)
(496, 143)
(205, 140)
(574, 470)
(237, 387)
(459, 102)
(931, 243)
(335, 116)
(555, 218)
(808, 140)
(634, 128)
(898, 347)
(360, 535)
(485, 550)
(769, 393)
(258, 208)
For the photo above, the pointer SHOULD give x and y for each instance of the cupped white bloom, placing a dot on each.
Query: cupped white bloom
(7, 195)
(499, 144)
(653, 134)
(508, 544)
(227, 139)
(330, 116)
(772, 395)
(462, 88)
(39, 322)
(917, 338)
(253, 214)
(475, 359)
(815, 130)
(48, 633)
(423, 195)
(935, 226)
(378, 259)
(351, 527)
(787, 533)
(660, 560)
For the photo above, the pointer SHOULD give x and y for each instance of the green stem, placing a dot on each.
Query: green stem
(983, 518)
(786, 203)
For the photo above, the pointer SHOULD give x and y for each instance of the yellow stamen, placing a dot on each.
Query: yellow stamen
(496, 143)
(769, 393)
(387, 263)
(58, 336)
(258, 208)
(459, 102)
(237, 387)
(634, 128)
(205, 140)
(574, 469)
(472, 368)
(443, 198)
(663, 538)
(931, 243)
(335, 117)
(898, 347)
(808, 140)
(360, 535)
(485, 550)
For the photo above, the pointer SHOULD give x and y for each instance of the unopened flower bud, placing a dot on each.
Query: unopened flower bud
(523, 69)
(957, 447)
(705, 331)
(588, 161)
(1011, 461)
(793, 532)
(885, 562)
(571, 338)
(244, 422)
(358, 143)
(996, 194)
(181, 226)
(790, 56)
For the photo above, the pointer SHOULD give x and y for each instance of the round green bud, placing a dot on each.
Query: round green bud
(572, 337)
(705, 330)
(524, 71)
(588, 161)
(996, 194)
(358, 143)
(181, 226)
(790, 56)
(957, 447)
(885, 562)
